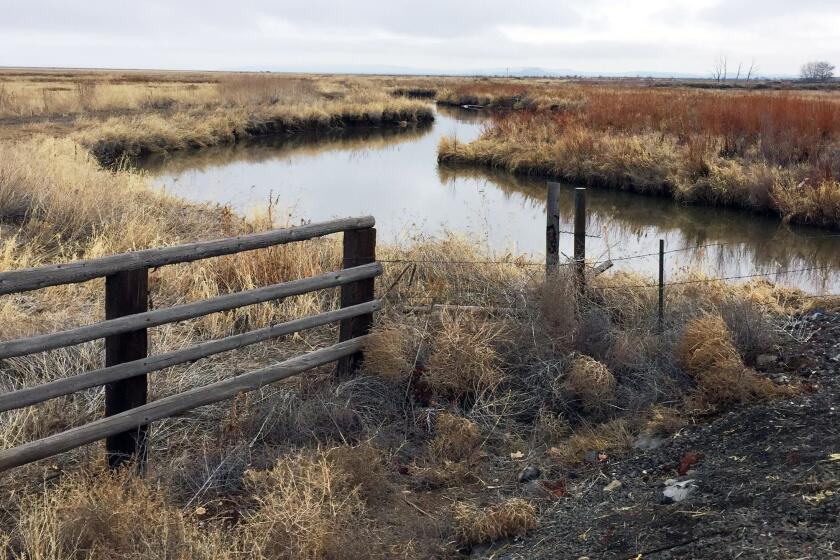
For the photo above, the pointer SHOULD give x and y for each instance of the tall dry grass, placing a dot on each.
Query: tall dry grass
(770, 152)
(117, 114)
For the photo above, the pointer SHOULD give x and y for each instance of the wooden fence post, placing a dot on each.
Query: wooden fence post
(126, 293)
(359, 249)
(552, 229)
(580, 239)
(661, 316)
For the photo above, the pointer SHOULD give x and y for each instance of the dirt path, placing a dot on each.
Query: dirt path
(767, 485)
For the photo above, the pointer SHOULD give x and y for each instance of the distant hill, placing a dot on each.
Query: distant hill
(523, 72)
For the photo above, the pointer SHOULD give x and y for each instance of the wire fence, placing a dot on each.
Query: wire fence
(578, 262)
(524, 263)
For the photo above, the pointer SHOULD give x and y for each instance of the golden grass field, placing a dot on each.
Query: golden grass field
(392, 463)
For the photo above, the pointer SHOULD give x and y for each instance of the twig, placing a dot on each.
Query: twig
(418, 508)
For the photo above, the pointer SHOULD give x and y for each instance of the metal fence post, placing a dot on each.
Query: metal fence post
(552, 229)
(126, 293)
(359, 249)
(580, 239)
(661, 316)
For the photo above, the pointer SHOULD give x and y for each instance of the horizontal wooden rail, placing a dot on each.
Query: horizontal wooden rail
(81, 271)
(128, 323)
(95, 378)
(173, 405)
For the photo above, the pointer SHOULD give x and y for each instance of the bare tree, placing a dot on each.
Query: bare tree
(738, 75)
(719, 69)
(817, 71)
(753, 68)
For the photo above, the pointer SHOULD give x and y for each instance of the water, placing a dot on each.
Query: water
(393, 175)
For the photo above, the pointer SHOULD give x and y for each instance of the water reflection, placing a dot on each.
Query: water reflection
(733, 243)
(393, 174)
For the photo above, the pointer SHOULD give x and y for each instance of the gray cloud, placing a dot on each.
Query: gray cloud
(593, 35)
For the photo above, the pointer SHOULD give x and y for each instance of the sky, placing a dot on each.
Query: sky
(594, 36)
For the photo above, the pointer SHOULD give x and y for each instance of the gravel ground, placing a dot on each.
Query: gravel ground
(765, 478)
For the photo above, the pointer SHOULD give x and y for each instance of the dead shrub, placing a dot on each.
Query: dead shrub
(455, 439)
(591, 382)
(364, 471)
(512, 518)
(109, 516)
(464, 360)
(304, 508)
(751, 327)
(387, 353)
(705, 350)
(628, 350)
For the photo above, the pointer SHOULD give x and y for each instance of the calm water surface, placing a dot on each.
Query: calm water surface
(393, 174)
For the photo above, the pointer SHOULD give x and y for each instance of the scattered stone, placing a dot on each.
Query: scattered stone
(678, 491)
(648, 442)
(612, 486)
(536, 490)
(531, 472)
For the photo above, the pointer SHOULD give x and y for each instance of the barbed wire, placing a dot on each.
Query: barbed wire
(443, 261)
(722, 278)
(585, 235)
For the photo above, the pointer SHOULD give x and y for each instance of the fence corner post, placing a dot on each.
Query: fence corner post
(126, 293)
(552, 229)
(580, 239)
(359, 249)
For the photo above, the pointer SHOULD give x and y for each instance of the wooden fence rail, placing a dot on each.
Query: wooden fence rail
(127, 414)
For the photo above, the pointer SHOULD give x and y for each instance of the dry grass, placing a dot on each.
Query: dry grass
(590, 381)
(108, 516)
(512, 518)
(707, 353)
(613, 438)
(464, 360)
(131, 114)
(455, 439)
(388, 353)
(771, 152)
(304, 509)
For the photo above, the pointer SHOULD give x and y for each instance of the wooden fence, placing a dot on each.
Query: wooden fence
(127, 318)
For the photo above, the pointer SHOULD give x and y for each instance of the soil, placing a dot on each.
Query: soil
(767, 479)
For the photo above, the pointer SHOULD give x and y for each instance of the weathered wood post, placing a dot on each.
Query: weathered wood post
(661, 316)
(552, 229)
(126, 293)
(580, 239)
(359, 249)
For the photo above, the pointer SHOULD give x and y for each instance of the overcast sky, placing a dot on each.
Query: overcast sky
(441, 35)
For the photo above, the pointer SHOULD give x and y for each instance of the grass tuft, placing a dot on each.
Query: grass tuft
(512, 518)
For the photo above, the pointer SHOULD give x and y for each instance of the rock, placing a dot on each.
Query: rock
(678, 491)
(764, 360)
(648, 442)
(612, 486)
(531, 472)
(535, 489)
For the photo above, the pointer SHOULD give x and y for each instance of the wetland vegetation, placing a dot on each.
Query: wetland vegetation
(420, 455)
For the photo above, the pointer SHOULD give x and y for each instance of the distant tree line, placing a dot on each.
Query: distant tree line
(817, 71)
